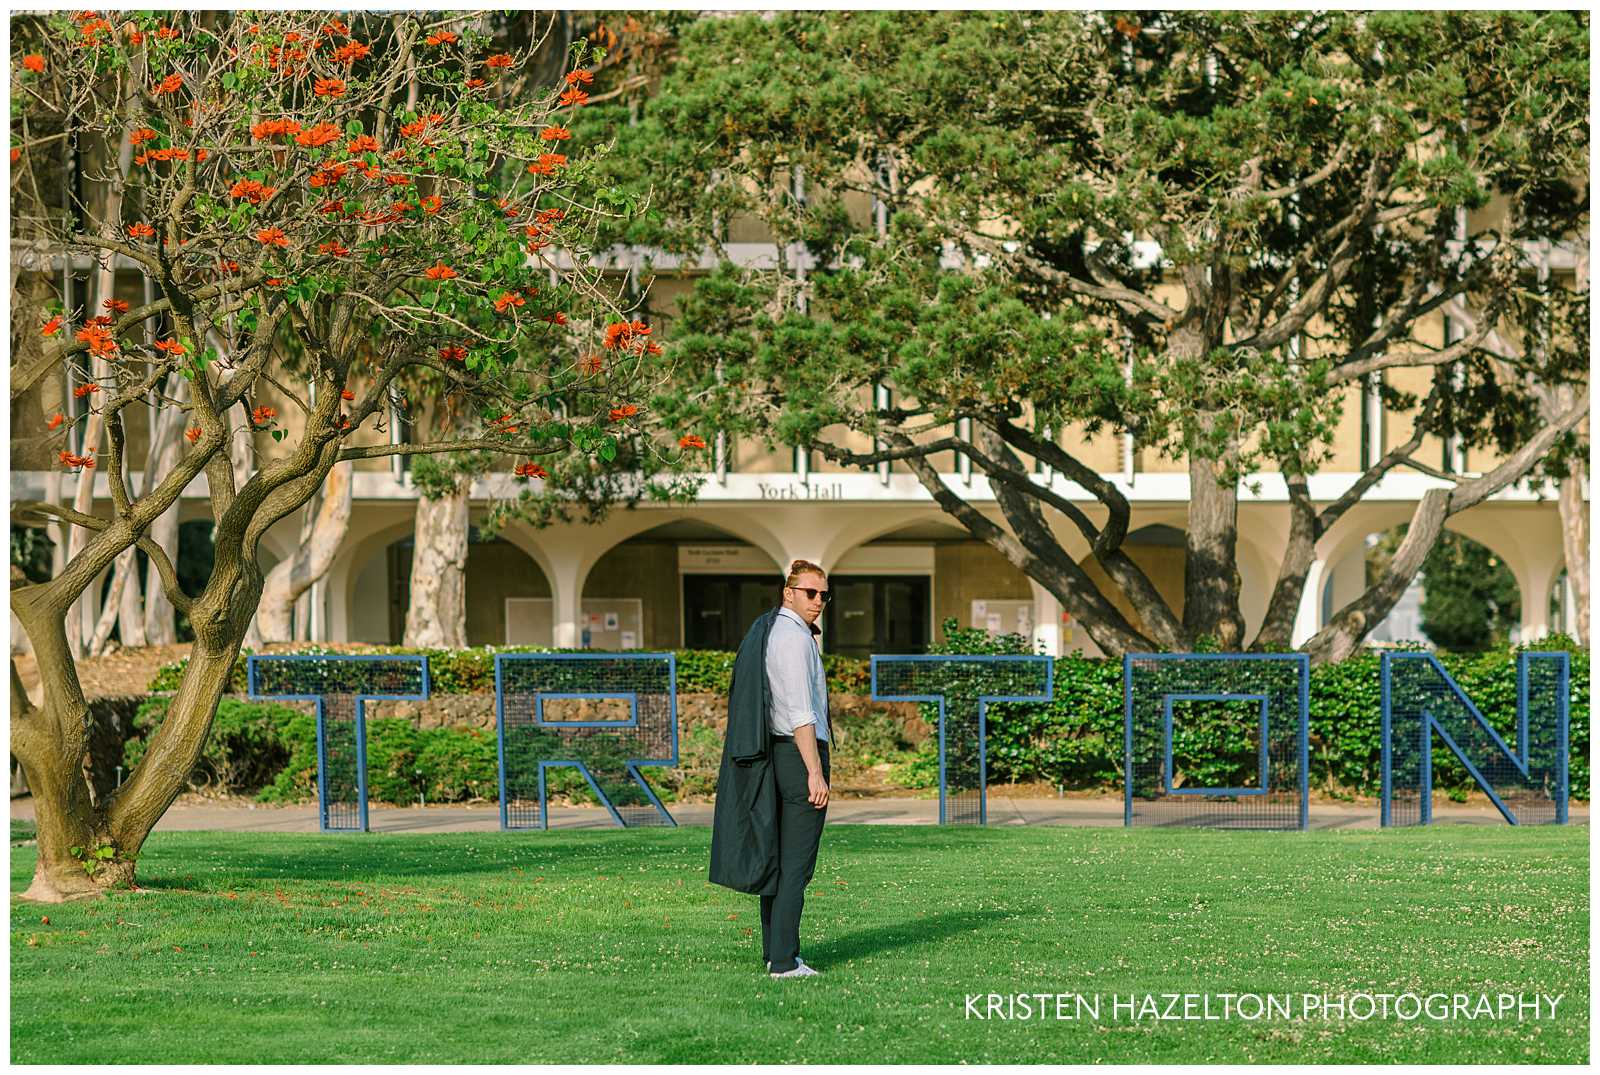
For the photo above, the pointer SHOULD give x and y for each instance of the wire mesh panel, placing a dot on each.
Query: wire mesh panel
(962, 687)
(341, 686)
(1421, 701)
(1216, 739)
(606, 714)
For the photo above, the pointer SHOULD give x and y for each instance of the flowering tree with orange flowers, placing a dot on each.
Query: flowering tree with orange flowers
(327, 210)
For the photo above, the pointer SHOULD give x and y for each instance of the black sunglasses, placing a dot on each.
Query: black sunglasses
(811, 595)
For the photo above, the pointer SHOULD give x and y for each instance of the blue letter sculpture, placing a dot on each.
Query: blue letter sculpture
(1216, 739)
(607, 714)
(1420, 699)
(341, 686)
(963, 687)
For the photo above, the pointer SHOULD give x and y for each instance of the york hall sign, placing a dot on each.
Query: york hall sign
(800, 490)
(610, 714)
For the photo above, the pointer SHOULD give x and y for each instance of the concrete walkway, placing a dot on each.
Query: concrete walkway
(1098, 811)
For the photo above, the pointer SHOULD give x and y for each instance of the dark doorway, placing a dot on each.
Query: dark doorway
(719, 609)
(877, 614)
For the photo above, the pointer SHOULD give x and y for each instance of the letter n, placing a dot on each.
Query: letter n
(1527, 785)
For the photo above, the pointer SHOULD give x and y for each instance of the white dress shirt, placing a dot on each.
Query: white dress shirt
(794, 668)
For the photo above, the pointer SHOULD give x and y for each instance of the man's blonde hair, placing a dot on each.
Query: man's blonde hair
(803, 567)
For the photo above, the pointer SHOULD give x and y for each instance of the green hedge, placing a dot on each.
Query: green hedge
(470, 671)
(1074, 742)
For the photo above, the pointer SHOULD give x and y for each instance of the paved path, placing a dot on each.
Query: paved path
(1099, 811)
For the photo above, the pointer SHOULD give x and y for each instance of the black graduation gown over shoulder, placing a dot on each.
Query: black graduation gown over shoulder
(744, 825)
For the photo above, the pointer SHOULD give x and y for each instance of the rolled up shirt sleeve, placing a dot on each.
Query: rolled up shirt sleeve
(789, 656)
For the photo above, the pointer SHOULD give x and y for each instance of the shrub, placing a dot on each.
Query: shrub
(245, 750)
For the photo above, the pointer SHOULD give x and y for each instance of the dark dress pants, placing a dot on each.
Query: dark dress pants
(799, 833)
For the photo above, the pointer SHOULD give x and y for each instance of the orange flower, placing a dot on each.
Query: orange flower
(590, 364)
(557, 318)
(441, 271)
(336, 28)
(166, 33)
(85, 390)
(364, 144)
(135, 37)
(272, 237)
(623, 333)
(350, 52)
(346, 394)
(555, 133)
(624, 412)
(55, 420)
(140, 230)
(16, 154)
(336, 248)
(74, 461)
(329, 87)
(420, 124)
(320, 135)
(116, 306)
(397, 180)
(579, 76)
(545, 216)
(501, 60)
(274, 281)
(229, 267)
(691, 441)
(574, 97)
(474, 83)
(443, 37)
(263, 416)
(453, 354)
(170, 84)
(193, 433)
(142, 135)
(104, 321)
(171, 347)
(431, 203)
(34, 62)
(251, 191)
(98, 340)
(274, 128)
(507, 300)
(51, 327)
(530, 470)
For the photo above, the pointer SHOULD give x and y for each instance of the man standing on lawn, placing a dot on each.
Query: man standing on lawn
(772, 792)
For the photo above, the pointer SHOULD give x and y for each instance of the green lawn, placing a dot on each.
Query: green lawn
(612, 947)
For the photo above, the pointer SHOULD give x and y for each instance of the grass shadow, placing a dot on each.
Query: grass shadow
(935, 927)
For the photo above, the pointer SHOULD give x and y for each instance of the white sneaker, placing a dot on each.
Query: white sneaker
(800, 971)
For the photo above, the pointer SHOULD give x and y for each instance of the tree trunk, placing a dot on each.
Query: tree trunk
(320, 541)
(1210, 562)
(160, 619)
(121, 575)
(49, 741)
(1575, 543)
(1277, 627)
(437, 616)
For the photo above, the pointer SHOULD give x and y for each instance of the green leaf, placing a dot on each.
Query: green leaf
(354, 128)
(278, 434)
(608, 449)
